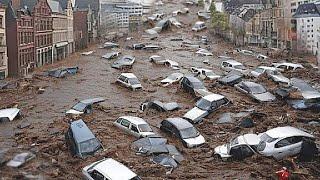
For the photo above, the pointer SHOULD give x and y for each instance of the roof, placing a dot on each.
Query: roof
(287, 131)
(307, 10)
(233, 62)
(250, 139)
(231, 5)
(28, 3)
(55, 6)
(81, 132)
(134, 120)
(114, 170)
(9, 113)
(180, 123)
(213, 97)
(129, 75)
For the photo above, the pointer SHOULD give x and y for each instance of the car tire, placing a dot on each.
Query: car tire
(217, 157)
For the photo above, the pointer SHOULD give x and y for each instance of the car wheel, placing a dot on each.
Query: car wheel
(217, 157)
(4, 119)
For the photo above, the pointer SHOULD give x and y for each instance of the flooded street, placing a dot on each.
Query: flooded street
(44, 114)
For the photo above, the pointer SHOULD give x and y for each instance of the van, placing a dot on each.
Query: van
(80, 140)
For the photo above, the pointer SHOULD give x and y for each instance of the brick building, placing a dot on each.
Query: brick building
(80, 21)
(3, 46)
(19, 27)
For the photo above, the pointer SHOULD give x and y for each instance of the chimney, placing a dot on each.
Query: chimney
(15, 4)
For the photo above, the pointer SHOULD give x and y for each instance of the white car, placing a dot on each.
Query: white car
(262, 69)
(282, 142)
(163, 61)
(10, 114)
(246, 144)
(129, 80)
(205, 106)
(134, 126)
(230, 65)
(108, 169)
(171, 79)
(204, 52)
(255, 91)
(180, 11)
(262, 57)
(247, 52)
(287, 66)
(199, 26)
(205, 73)
(87, 53)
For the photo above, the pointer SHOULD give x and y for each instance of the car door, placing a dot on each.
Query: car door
(125, 124)
(286, 147)
(134, 130)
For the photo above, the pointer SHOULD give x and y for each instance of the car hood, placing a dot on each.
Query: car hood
(146, 134)
(197, 141)
(195, 114)
(222, 150)
(10, 113)
(202, 92)
(278, 78)
(264, 97)
(72, 111)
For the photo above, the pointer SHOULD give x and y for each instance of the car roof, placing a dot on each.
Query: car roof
(179, 123)
(250, 84)
(213, 97)
(114, 170)
(10, 112)
(80, 131)
(287, 131)
(289, 64)
(129, 75)
(233, 62)
(250, 139)
(134, 120)
(199, 22)
(192, 79)
(267, 68)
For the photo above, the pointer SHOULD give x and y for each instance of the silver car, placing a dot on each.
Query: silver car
(134, 126)
(129, 80)
(255, 90)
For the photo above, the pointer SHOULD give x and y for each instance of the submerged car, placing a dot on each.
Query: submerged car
(111, 55)
(63, 72)
(180, 11)
(124, 62)
(134, 126)
(137, 46)
(205, 106)
(199, 26)
(110, 45)
(108, 169)
(204, 73)
(129, 80)
(152, 47)
(163, 61)
(171, 79)
(9, 114)
(255, 90)
(194, 86)
(285, 66)
(85, 106)
(282, 142)
(261, 70)
(80, 140)
(204, 52)
(204, 15)
(230, 79)
(183, 130)
(239, 148)
(230, 65)
(277, 77)
(160, 106)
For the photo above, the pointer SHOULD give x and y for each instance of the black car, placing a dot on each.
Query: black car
(137, 46)
(183, 130)
(194, 86)
(80, 140)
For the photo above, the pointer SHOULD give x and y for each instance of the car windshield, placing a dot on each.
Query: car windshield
(189, 133)
(144, 128)
(79, 107)
(265, 138)
(89, 146)
(203, 104)
(232, 143)
(136, 178)
(198, 85)
(240, 67)
(258, 89)
(259, 70)
(134, 81)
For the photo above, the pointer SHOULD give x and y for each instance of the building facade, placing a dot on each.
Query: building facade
(43, 32)
(60, 31)
(20, 29)
(69, 12)
(308, 23)
(93, 6)
(80, 26)
(3, 44)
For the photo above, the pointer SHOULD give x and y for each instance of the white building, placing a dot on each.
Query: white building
(3, 45)
(308, 24)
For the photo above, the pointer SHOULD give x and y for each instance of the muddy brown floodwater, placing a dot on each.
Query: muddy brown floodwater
(43, 114)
